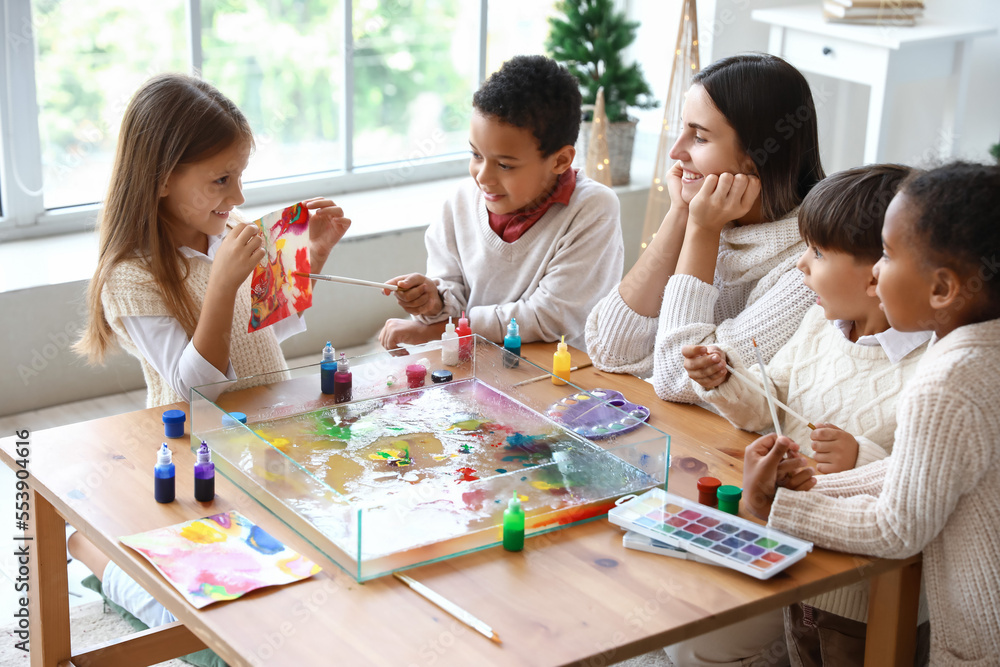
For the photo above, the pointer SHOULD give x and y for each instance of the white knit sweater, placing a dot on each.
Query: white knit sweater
(939, 492)
(757, 293)
(826, 378)
(548, 279)
(130, 291)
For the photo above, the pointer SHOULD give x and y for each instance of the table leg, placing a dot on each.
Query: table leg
(48, 605)
(892, 617)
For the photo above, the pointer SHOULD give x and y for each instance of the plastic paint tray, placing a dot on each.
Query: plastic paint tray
(722, 538)
(598, 414)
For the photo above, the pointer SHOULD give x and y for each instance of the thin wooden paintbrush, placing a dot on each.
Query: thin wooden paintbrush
(752, 384)
(767, 388)
(450, 607)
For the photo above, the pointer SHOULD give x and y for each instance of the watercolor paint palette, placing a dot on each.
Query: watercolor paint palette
(716, 536)
(598, 414)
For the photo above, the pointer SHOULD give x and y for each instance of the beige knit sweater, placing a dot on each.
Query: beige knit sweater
(131, 292)
(826, 378)
(939, 492)
(756, 292)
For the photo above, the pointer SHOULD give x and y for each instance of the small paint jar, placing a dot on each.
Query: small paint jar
(729, 498)
(441, 376)
(232, 418)
(416, 374)
(707, 488)
(173, 423)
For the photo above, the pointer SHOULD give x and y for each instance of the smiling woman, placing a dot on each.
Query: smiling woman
(721, 268)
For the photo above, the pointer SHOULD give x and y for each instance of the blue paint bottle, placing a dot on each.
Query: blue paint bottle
(512, 343)
(328, 369)
(163, 476)
(342, 380)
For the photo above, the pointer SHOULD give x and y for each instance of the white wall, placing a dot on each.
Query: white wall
(725, 28)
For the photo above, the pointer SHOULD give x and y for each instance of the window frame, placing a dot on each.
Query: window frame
(22, 210)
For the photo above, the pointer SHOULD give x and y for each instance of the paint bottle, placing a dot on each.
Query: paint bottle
(328, 369)
(708, 488)
(449, 345)
(204, 475)
(173, 423)
(561, 363)
(342, 380)
(513, 525)
(416, 375)
(163, 476)
(729, 498)
(512, 343)
(464, 333)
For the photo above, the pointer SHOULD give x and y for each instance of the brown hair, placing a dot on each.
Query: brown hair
(768, 103)
(173, 120)
(845, 211)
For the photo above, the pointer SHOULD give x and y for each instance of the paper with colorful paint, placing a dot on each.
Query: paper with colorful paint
(277, 291)
(220, 557)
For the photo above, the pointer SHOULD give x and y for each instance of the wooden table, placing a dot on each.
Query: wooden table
(574, 596)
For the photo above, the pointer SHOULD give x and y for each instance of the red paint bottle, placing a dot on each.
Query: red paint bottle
(708, 487)
(342, 380)
(464, 332)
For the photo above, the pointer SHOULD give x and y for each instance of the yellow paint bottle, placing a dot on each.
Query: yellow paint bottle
(561, 363)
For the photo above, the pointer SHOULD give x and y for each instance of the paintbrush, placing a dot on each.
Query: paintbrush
(767, 388)
(749, 382)
(547, 375)
(450, 607)
(346, 281)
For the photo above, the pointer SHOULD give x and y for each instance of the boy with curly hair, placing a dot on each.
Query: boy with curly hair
(528, 238)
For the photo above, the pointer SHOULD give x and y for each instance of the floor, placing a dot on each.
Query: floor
(60, 415)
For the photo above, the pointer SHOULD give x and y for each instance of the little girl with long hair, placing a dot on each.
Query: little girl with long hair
(721, 268)
(172, 285)
(172, 282)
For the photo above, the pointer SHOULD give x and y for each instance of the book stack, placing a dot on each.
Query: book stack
(873, 12)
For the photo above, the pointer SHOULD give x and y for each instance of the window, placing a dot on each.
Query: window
(341, 94)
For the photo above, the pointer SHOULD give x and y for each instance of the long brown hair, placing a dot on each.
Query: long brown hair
(769, 104)
(173, 120)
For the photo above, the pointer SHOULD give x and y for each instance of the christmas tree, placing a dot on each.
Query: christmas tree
(589, 40)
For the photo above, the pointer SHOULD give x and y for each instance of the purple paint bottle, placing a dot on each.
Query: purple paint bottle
(342, 380)
(327, 369)
(163, 476)
(204, 475)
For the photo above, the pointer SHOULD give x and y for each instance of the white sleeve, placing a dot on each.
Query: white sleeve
(163, 342)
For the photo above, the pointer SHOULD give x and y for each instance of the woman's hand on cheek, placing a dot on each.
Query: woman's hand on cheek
(723, 198)
(674, 186)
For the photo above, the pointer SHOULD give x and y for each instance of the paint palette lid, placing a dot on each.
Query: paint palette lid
(174, 417)
(722, 538)
(597, 414)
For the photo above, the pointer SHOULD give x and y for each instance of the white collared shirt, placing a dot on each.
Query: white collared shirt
(163, 342)
(896, 344)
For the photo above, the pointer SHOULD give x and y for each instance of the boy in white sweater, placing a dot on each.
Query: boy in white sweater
(843, 368)
(939, 491)
(528, 238)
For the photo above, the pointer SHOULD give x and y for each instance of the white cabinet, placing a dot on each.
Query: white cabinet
(879, 56)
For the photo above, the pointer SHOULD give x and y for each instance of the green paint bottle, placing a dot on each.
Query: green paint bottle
(513, 525)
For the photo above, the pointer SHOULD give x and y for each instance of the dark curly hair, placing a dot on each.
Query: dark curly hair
(844, 212)
(537, 93)
(957, 222)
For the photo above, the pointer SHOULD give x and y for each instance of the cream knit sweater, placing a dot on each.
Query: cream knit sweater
(548, 279)
(131, 292)
(939, 492)
(826, 378)
(757, 292)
